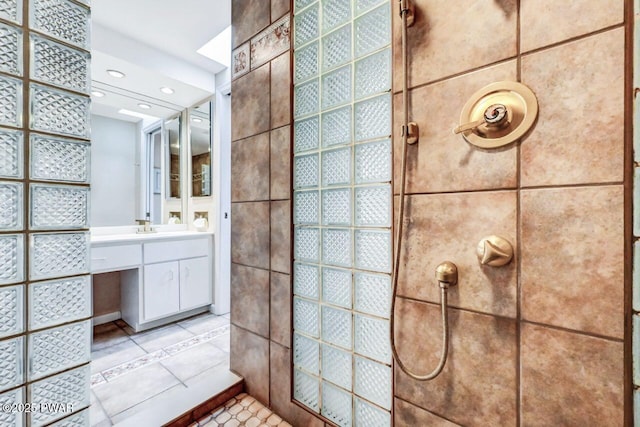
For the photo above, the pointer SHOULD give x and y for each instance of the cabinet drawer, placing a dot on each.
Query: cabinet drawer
(180, 249)
(113, 258)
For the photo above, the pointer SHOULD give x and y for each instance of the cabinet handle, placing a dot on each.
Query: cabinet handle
(98, 259)
(186, 272)
(170, 275)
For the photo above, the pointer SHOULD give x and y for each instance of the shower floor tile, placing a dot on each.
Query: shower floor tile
(131, 371)
(242, 411)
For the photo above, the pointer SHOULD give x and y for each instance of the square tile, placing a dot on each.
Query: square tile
(280, 318)
(250, 234)
(281, 236)
(250, 299)
(564, 148)
(114, 355)
(159, 338)
(194, 361)
(583, 370)
(449, 226)
(249, 166)
(250, 359)
(478, 384)
(251, 100)
(280, 168)
(118, 395)
(591, 243)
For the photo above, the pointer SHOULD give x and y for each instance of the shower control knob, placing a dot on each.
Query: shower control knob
(494, 251)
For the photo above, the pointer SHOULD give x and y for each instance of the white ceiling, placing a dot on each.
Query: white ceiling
(154, 43)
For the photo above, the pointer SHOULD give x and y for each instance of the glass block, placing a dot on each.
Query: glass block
(372, 338)
(58, 254)
(373, 118)
(306, 134)
(58, 207)
(373, 30)
(305, 317)
(10, 206)
(373, 250)
(301, 4)
(373, 206)
(11, 153)
(336, 405)
(336, 207)
(335, 13)
(81, 419)
(307, 25)
(373, 382)
(306, 207)
(368, 415)
(373, 74)
(59, 301)
(306, 171)
(336, 87)
(12, 419)
(336, 48)
(336, 127)
(336, 287)
(336, 167)
(71, 387)
(60, 112)
(373, 162)
(11, 258)
(337, 366)
(336, 247)
(364, 5)
(59, 159)
(306, 390)
(11, 10)
(306, 98)
(11, 366)
(11, 310)
(306, 354)
(59, 65)
(336, 327)
(10, 48)
(373, 294)
(62, 19)
(10, 101)
(57, 349)
(307, 244)
(306, 63)
(306, 280)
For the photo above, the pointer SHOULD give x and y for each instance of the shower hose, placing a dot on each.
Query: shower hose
(404, 11)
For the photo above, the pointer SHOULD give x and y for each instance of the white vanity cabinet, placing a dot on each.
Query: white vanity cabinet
(163, 278)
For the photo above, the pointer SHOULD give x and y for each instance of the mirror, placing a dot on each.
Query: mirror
(200, 149)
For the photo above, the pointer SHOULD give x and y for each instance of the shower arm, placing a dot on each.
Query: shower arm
(446, 273)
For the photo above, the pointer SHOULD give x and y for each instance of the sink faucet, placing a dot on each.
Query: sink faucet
(146, 226)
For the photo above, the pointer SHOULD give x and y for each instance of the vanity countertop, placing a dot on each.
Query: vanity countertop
(143, 237)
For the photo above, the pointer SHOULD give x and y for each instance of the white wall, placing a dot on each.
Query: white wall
(113, 172)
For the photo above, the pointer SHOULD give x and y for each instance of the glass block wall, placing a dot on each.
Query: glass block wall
(45, 289)
(342, 209)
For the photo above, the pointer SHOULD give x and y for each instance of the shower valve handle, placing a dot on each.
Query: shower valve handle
(496, 115)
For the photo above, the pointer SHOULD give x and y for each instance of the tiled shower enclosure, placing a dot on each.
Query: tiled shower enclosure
(45, 290)
(342, 209)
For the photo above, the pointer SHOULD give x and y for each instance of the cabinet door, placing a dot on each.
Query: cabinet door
(161, 295)
(195, 283)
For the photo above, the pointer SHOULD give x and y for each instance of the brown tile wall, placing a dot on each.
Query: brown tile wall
(540, 341)
(261, 218)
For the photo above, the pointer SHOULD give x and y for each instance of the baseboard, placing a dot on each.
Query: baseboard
(106, 318)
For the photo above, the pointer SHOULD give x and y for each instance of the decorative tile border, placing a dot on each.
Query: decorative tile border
(240, 61)
(156, 356)
(271, 42)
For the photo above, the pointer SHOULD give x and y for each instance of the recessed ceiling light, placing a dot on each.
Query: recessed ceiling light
(97, 93)
(197, 119)
(115, 73)
(144, 106)
(166, 90)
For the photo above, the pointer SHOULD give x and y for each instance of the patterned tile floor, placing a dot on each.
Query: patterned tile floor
(130, 370)
(242, 411)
